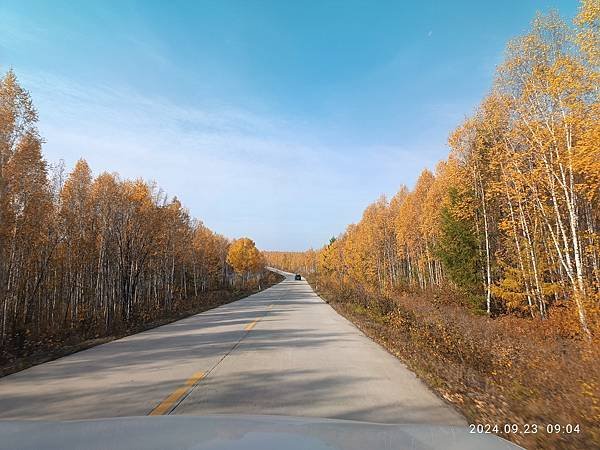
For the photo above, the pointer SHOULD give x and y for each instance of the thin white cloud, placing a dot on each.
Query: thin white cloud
(235, 169)
(14, 30)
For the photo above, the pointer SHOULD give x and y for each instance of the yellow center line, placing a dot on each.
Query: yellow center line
(195, 378)
(167, 404)
(251, 325)
(255, 321)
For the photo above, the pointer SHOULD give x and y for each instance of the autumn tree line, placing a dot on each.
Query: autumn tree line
(84, 256)
(511, 219)
(299, 262)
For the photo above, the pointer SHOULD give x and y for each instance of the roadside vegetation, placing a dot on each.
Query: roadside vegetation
(485, 277)
(84, 259)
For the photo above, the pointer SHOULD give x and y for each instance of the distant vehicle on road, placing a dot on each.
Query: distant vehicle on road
(298, 277)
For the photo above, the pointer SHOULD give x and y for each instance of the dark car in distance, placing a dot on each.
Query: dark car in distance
(298, 277)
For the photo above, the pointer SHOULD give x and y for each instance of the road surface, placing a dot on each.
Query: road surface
(283, 351)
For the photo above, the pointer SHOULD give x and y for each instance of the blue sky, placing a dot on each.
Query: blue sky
(278, 120)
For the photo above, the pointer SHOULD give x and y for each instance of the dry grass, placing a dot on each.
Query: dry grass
(496, 371)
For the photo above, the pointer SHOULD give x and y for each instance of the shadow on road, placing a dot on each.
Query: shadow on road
(298, 360)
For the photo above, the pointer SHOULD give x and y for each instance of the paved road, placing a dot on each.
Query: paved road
(282, 351)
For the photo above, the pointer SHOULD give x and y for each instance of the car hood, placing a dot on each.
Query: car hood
(237, 432)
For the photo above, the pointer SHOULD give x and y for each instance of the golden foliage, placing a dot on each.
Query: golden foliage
(511, 217)
(87, 257)
(244, 257)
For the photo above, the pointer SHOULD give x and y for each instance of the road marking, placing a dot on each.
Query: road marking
(167, 404)
(253, 323)
(195, 378)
